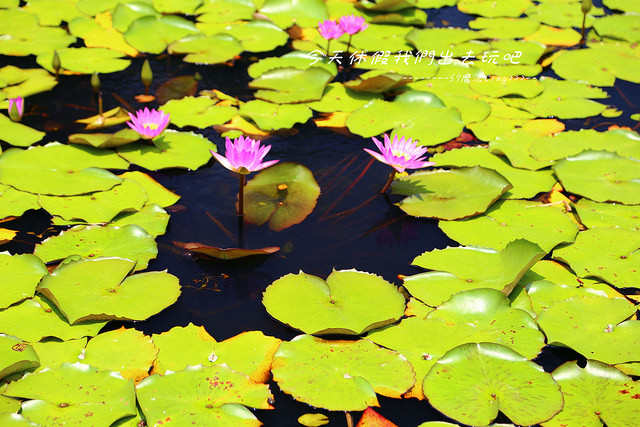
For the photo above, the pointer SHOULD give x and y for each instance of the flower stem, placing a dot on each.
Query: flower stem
(349, 44)
(388, 184)
(241, 195)
(328, 44)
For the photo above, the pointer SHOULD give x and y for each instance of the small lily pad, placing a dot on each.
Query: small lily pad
(337, 97)
(224, 254)
(15, 202)
(200, 49)
(291, 85)
(200, 112)
(19, 276)
(155, 191)
(152, 218)
(270, 116)
(105, 140)
(284, 13)
(18, 134)
(348, 302)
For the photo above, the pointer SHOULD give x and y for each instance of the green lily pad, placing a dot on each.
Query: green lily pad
(348, 302)
(504, 221)
(167, 28)
(38, 318)
(555, 272)
(15, 420)
(296, 59)
(224, 254)
(123, 350)
(474, 381)
(202, 49)
(595, 394)
(595, 327)
(18, 134)
(609, 215)
(58, 169)
(340, 375)
(450, 194)
(384, 38)
(171, 149)
(258, 36)
(553, 36)
(200, 112)
(305, 13)
(463, 268)
(97, 207)
(130, 241)
(85, 60)
(176, 88)
(562, 14)
(544, 293)
(504, 28)
(186, 7)
(60, 395)
(249, 352)
(223, 12)
(284, 195)
(440, 40)
(515, 146)
(105, 140)
(378, 81)
(212, 396)
(19, 276)
(79, 296)
(152, 218)
(26, 37)
(123, 14)
(624, 5)
(99, 32)
(601, 176)
(16, 356)
(26, 82)
(155, 191)
(290, 85)
(623, 27)
(269, 116)
(490, 9)
(525, 183)
(610, 254)
(93, 7)
(337, 97)
(54, 353)
(527, 88)
(479, 315)
(14, 202)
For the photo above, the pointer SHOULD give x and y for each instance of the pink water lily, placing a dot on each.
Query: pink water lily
(149, 123)
(244, 155)
(16, 108)
(352, 24)
(400, 154)
(330, 29)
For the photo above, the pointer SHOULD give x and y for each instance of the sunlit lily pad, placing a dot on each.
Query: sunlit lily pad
(223, 12)
(212, 396)
(257, 36)
(16, 355)
(624, 5)
(152, 218)
(14, 202)
(544, 294)
(54, 353)
(305, 13)
(474, 381)
(26, 81)
(337, 97)
(79, 296)
(440, 40)
(554, 272)
(378, 81)
(625, 143)
(99, 32)
(167, 28)
(490, 9)
(348, 302)
(340, 375)
(224, 254)
(283, 195)
(200, 49)
(249, 352)
(155, 191)
(186, 7)
(24, 35)
(105, 140)
(18, 134)
(296, 59)
(595, 394)
(609, 215)
(200, 112)
(504, 28)
(463, 268)
(115, 116)
(60, 395)
(624, 27)
(595, 327)
(562, 14)
(514, 145)
(6, 235)
(508, 220)
(270, 116)
(19, 276)
(85, 60)
(124, 350)
(171, 149)
(129, 241)
(290, 85)
(38, 318)
(450, 194)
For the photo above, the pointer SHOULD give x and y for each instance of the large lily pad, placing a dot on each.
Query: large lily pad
(594, 326)
(340, 375)
(19, 276)
(609, 215)
(16, 355)
(200, 112)
(168, 28)
(337, 97)
(152, 218)
(129, 241)
(283, 195)
(85, 60)
(291, 85)
(155, 191)
(105, 140)
(508, 220)
(61, 396)
(305, 13)
(515, 146)
(258, 35)
(601, 176)
(610, 254)
(54, 353)
(24, 36)
(621, 27)
(15, 202)
(450, 194)
(544, 293)
(18, 134)
(596, 394)
(463, 268)
(170, 150)
(74, 290)
(270, 116)
(202, 49)
(348, 302)
(99, 32)
(472, 382)
(212, 396)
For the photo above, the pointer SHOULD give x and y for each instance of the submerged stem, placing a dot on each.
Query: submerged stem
(584, 21)
(349, 419)
(241, 195)
(389, 181)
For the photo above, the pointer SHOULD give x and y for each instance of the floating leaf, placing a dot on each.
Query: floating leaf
(85, 60)
(284, 195)
(79, 296)
(562, 14)
(258, 36)
(100, 33)
(624, 27)
(24, 36)
(26, 82)
(348, 302)
(269, 116)
(504, 28)
(544, 293)
(61, 395)
(313, 420)
(105, 140)
(16, 356)
(19, 276)
(337, 97)
(6, 235)
(371, 418)
(18, 134)
(14, 202)
(54, 353)
(508, 220)
(305, 367)
(113, 117)
(450, 194)
(152, 218)
(130, 241)
(474, 381)
(378, 81)
(489, 9)
(609, 215)
(290, 85)
(155, 191)
(305, 13)
(211, 396)
(186, 7)
(224, 254)
(514, 145)
(167, 28)
(202, 49)
(199, 112)
(176, 88)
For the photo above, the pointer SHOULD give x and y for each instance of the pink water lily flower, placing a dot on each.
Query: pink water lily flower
(330, 29)
(16, 108)
(149, 123)
(400, 154)
(352, 24)
(244, 155)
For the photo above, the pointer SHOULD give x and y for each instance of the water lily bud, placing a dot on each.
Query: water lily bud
(586, 6)
(197, 77)
(16, 108)
(55, 62)
(95, 82)
(146, 74)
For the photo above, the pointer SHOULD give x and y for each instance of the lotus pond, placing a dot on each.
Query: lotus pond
(498, 286)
